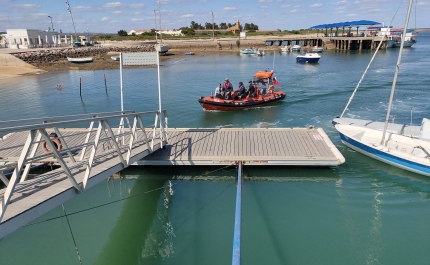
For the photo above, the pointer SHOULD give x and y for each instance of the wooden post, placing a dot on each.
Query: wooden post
(80, 86)
(104, 76)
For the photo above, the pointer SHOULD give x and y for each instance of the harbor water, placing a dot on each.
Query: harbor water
(362, 212)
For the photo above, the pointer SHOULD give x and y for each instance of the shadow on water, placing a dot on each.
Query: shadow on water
(136, 231)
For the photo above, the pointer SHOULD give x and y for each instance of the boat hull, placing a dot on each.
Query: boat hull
(384, 156)
(80, 60)
(307, 60)
(212, 103)
(405, 44)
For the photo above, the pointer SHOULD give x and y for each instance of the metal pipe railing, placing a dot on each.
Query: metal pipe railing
(238, 218)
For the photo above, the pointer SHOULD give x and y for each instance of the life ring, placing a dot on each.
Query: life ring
(59, 87)
(55, 140)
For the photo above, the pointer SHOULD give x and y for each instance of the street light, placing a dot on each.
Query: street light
(70, 12)
(51, 24)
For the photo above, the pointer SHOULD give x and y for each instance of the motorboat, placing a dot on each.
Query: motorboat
(264, 83)
(309, 57)
(284, 49)
(115, 58)
(80, 60)
(296, 48)
(247, 51)
(317, 49)
(189, 53)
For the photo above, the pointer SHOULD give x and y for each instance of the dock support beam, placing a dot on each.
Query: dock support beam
(237, 218)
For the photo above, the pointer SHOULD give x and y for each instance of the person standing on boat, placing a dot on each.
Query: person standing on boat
(241, 91)
(218, 91)
(227, 88)
(251, 89)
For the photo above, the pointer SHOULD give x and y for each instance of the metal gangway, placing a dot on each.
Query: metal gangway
(91, 148)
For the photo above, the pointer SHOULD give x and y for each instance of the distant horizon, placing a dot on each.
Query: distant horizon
(97, 15)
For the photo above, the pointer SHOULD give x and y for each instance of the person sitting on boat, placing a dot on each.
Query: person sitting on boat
(251, 89)
(218, 91)
(227, 88)
(241, 91)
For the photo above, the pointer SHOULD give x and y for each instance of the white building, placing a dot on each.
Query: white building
(32, 38)
(164, 32)
(171, 32)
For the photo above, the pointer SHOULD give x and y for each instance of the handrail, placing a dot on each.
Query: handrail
(56, 124)
(37, 133)
(50, 119)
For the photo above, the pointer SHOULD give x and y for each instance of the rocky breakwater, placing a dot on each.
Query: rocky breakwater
(56, 59)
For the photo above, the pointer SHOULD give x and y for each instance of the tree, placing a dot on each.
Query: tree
(222, 25)
(208, 25)
(122, 33)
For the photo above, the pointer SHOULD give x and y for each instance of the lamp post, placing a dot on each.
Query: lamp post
(70, 12)
(51, 23)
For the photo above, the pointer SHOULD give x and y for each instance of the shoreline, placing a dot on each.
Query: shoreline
(14, 66)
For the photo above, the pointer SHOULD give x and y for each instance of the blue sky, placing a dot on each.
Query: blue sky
(110, 16)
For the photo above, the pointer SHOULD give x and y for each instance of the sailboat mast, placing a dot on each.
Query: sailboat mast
(399, 59)
(155, 21)
(159, 14)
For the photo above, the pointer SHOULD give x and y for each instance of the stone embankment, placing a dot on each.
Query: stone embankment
(54, 55)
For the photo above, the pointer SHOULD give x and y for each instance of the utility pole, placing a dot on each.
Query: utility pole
(213, 27)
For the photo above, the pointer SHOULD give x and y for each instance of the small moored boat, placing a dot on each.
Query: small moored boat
(247, 51)
(296, 48)
(115, 58)
(80, 60)
(317, 49)
(309, 57)
(189, 53)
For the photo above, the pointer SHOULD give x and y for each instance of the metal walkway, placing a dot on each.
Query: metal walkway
(93, 154)
(85, 158)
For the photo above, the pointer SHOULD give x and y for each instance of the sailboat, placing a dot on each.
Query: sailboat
(160, 47)
(399, 145)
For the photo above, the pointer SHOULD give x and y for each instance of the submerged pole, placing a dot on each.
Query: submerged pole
(80, 86)
(104, 75)
(238, 218)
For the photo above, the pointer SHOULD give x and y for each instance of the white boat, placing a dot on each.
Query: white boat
(309, 57)
(80, 60)
(247, 51)
(162, 48)
(115, 58)
(317, 49)
(296, 48)
(260, 53)
(399, 145)
(284, 49)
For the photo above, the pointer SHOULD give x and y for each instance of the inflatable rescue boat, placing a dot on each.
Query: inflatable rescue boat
(263, 95)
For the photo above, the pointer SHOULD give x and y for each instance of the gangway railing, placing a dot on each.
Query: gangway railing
(75, 155)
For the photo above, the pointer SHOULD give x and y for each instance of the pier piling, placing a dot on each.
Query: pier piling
(104, 76)
(80, 86)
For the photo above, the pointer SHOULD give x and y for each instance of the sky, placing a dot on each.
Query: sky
(104, 16)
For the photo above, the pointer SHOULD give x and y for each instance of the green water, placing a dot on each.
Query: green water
(362, 212)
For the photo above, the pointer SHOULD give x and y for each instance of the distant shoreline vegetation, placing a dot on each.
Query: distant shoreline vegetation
(206, 31)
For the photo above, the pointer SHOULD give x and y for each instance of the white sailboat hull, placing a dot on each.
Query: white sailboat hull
(400, 151)
(80, 60)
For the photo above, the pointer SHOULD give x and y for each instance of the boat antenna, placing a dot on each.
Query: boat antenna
(368, 66)
(273, 67)
(399, 59)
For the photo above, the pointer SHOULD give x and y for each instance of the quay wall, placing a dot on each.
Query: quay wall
(53, 55)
